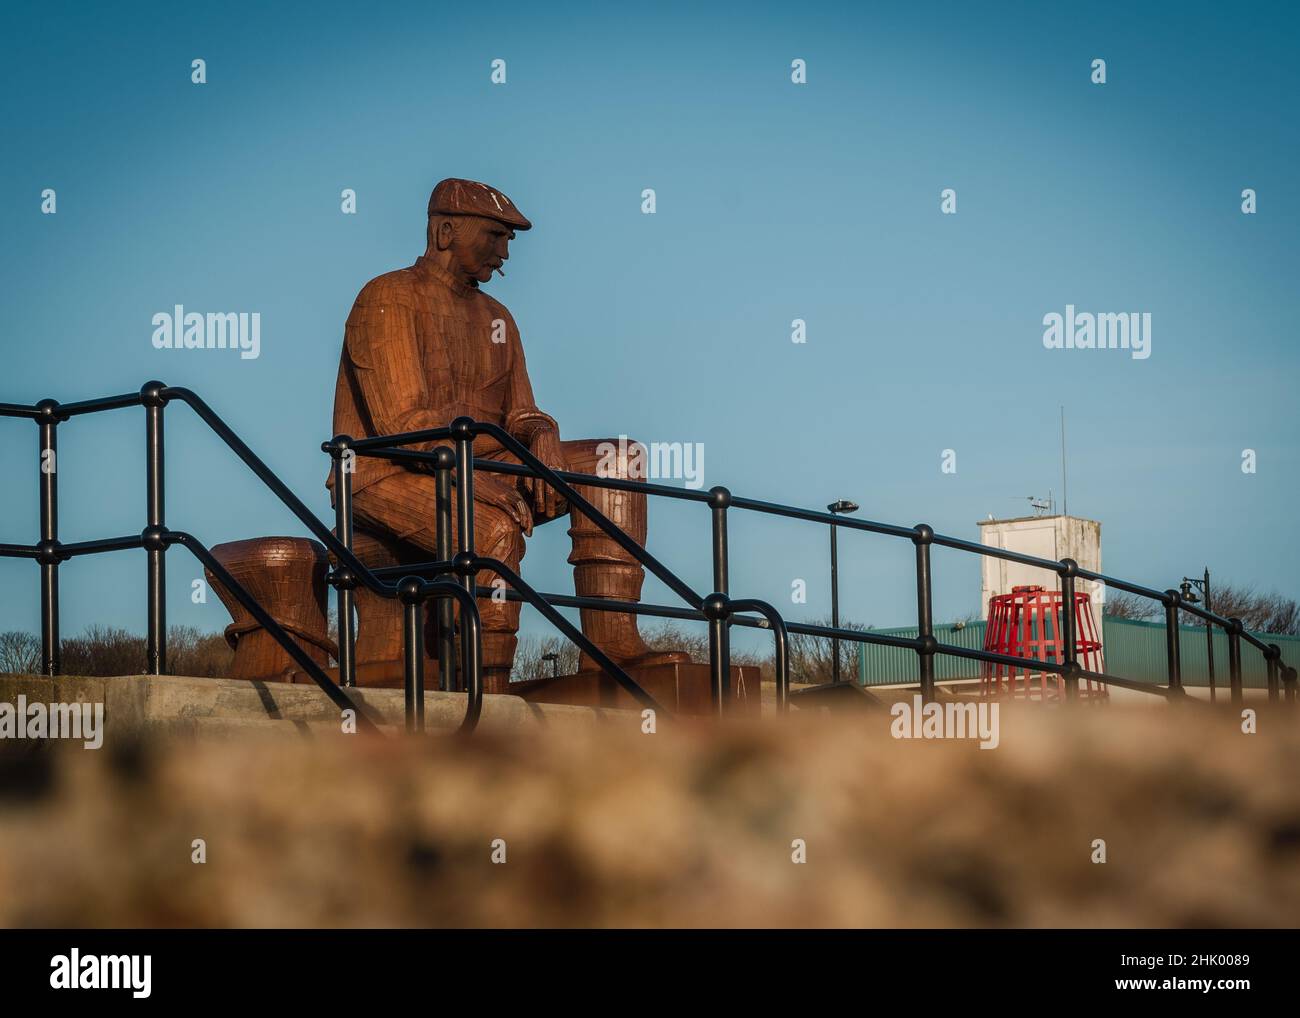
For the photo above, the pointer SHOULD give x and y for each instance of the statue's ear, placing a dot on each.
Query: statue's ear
(443, 233)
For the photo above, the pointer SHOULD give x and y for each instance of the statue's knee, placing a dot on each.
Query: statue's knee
(497, 614)
(498, 535)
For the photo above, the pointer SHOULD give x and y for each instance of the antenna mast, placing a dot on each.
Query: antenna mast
(1065, 488)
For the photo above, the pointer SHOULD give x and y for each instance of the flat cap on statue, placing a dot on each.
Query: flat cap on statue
(456, 197)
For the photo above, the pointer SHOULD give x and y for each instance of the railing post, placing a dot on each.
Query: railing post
(923, 536)
(411, 592)
(1209, 642)
(446, 461)
(471, 654)
(1069, 629)
(720, 627)
(1234, 659)
(1172, 650)
(463, 561)
(717, 609)
(345, 459)
(782, 639)
(151, 394)
(1274, 690)
(48, 557)
(835, 603)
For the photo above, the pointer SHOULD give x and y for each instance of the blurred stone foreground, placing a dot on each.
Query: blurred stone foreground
(691, 826)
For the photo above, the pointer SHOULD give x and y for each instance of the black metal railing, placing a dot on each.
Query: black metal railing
(454, 466)
(156, 538)
(716, 609)
(721, 612)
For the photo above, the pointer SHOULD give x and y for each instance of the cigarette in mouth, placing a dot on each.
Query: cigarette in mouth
(498, 269)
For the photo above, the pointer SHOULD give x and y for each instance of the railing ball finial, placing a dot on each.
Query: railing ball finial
(337, 445)
(151, 393)
(716, 606)
(462, 428)
(1068, 567)
(154, 538)
(49, 411)
(410, 589)
(444, 457)
(923, 533)
(1238, 627)
(1173, 599)
(462, 563)
(719, 497)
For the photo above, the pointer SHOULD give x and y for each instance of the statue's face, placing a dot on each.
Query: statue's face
(479, 245)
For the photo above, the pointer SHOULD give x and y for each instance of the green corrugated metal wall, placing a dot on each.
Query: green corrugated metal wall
(1132, 650)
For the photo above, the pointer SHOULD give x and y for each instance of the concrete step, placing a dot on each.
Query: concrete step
(241, 728)
(178, 703)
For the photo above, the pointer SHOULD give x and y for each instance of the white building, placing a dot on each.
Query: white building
(1050, 537)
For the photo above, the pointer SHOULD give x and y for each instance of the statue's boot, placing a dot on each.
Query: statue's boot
(498, 658)
(603, 569)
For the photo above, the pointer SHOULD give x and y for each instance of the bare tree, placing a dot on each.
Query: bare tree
(530, 660)
(812, 657)
(1261, 613)
(20, 653)
(105, 650)
(1120, 604)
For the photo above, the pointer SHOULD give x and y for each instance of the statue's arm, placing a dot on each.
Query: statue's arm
(535, 429)
(384, 352)
(523, 418)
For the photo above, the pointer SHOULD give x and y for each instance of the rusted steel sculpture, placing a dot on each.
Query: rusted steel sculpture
(424, 345)
(286, 576)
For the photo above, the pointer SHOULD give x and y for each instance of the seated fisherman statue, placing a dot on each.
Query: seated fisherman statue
(424, 345)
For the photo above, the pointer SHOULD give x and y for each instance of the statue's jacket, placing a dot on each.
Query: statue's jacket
(420, 349)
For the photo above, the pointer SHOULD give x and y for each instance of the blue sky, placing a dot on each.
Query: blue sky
(775, 201)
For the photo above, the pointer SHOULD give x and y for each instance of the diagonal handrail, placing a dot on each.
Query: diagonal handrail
(156, 538)
(344, 554)
(571, 631)
(210, 562)
(281, 491)
(380, 449)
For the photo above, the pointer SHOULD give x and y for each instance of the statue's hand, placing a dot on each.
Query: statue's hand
(545, 445)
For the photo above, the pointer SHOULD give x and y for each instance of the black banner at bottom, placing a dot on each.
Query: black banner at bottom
(150, 967)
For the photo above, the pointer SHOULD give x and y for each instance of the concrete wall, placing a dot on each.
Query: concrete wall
(195, 706)
(1052, 537)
